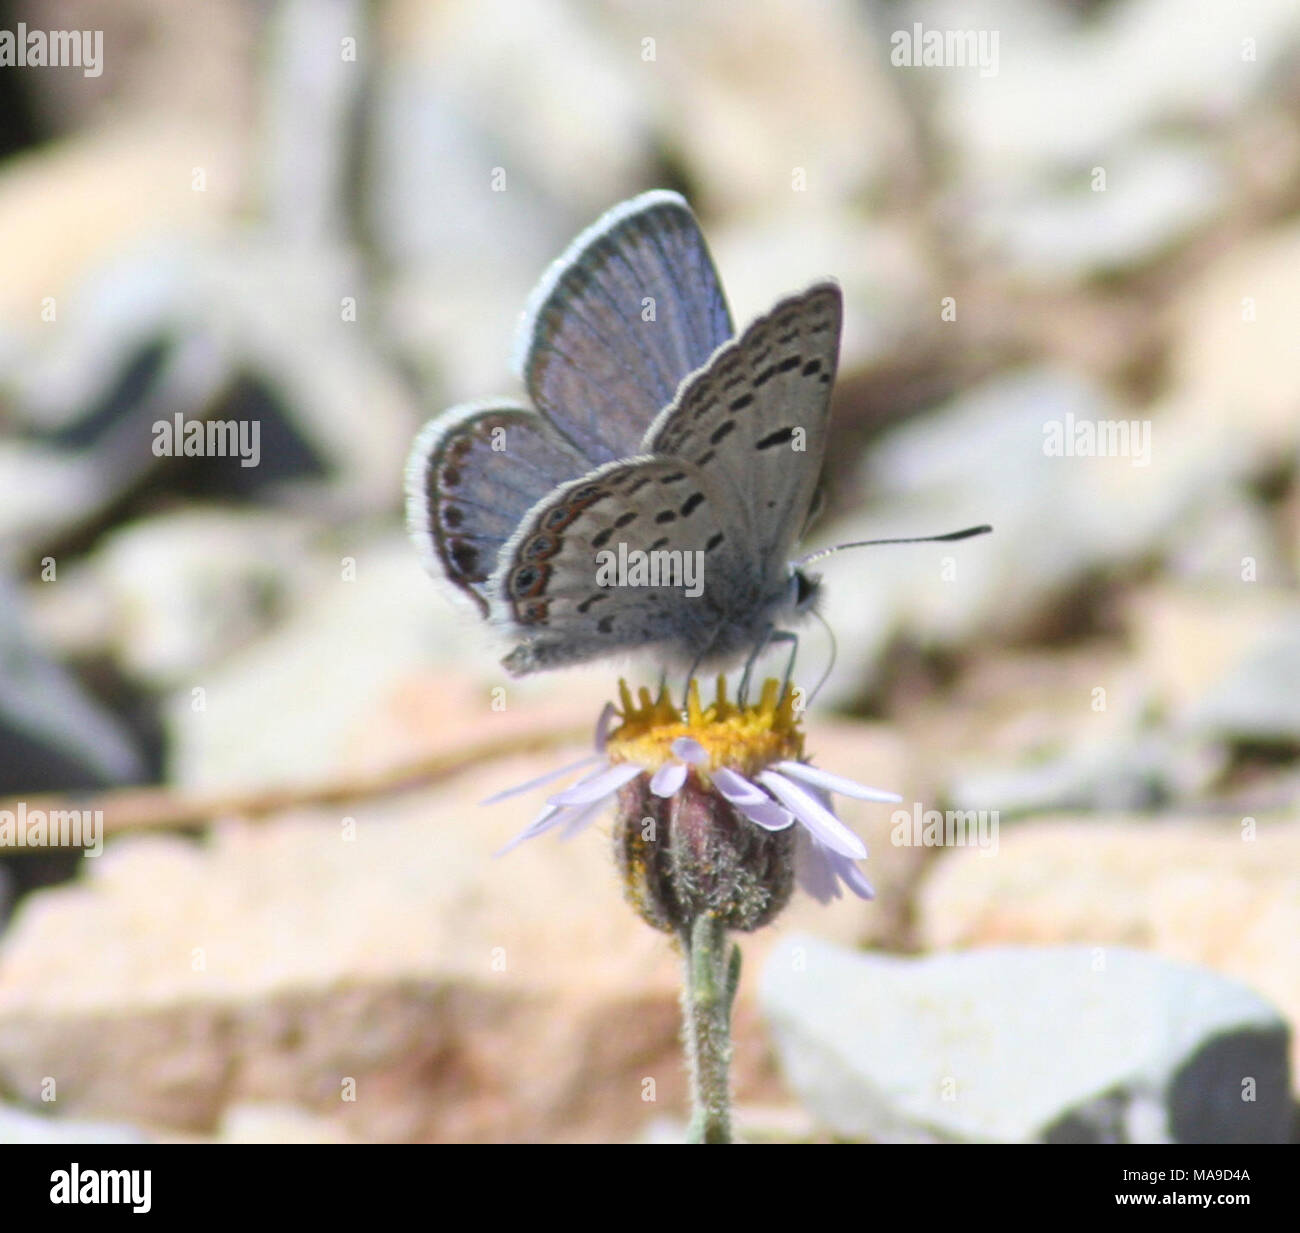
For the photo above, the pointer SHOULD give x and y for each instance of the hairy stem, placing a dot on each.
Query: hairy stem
(711, 976)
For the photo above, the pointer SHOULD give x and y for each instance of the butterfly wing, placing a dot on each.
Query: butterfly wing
(756, 418)
(473, 473)
(630, 309)
(553, 588)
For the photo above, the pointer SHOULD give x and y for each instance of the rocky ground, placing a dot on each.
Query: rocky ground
(297, 930)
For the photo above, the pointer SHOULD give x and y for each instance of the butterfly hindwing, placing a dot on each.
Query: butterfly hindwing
(554, 590)
(618, 321)
(473, 473)
(756, 417)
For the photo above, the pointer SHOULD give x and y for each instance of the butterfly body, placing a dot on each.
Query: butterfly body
(653, 499)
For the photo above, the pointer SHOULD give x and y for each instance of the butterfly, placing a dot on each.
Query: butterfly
(656, 436)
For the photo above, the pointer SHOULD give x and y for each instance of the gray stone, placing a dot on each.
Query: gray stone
(1259, 699)
(1059, 1044)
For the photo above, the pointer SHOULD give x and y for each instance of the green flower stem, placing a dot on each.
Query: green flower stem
(712, 974)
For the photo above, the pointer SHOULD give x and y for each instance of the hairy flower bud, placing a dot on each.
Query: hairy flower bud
(693, 854)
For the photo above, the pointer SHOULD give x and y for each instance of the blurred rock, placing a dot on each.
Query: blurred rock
(83, 201)
(1226, 896)
(1225, 660)
(1258, 699)
(1069, 91)
(983, 458)
(1137, 771)
(1064, 1045)
(1153, 197)
(886, 270)
(18, 1126)
(52, 733)
(1234, 384)
(169, 596)
(283, 963)
(268, 1123)
(804, 117)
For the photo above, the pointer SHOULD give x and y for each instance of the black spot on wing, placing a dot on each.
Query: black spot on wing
(779, 437)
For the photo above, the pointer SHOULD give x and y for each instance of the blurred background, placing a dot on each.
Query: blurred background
(324, 217)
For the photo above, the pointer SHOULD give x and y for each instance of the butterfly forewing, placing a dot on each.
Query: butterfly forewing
(755, 417)
(620, 319)
(473, 473)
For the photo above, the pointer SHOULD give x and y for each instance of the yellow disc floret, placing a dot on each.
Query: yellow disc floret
(745, 739)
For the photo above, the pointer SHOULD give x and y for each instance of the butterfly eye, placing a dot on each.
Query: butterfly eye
(536, 611)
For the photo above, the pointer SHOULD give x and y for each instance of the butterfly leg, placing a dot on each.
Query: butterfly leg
(786, 635)
(742, 695)
(690, 676)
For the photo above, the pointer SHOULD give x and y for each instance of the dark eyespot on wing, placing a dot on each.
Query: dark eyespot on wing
(665, 516)
(721, 431)
(465, 556)
(691, 503)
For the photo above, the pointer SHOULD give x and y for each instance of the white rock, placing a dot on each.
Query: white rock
(1074, 1044)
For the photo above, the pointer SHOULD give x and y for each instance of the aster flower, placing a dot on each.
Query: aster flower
(717, 813)
(751, 758)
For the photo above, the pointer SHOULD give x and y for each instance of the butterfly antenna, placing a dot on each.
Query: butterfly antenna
(917, 539)
(830, 667)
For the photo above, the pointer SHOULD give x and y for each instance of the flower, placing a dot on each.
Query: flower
(744, 813)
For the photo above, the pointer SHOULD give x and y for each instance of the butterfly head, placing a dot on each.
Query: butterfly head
(804, 591)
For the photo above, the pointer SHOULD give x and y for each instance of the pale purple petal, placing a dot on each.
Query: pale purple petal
(834, 783)
(768, 814)
(852, 877)
(541, 779)
(824, 825)
(688, 749)
(820, 871)
(551, 816)
(580, 819)
(668, 779)
(595, 787)
(602, 726)
(736, 788)
(813, 869)
(753, 802)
